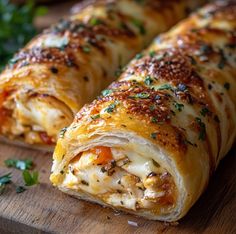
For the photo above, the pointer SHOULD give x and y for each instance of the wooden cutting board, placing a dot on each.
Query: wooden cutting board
(42, 208)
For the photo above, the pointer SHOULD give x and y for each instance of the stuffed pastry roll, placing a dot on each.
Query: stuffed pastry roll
(149, 144)
(66, 66)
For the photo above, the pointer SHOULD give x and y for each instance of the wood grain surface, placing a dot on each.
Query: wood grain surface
(42, 208)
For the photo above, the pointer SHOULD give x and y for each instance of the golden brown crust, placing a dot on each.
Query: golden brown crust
(76, 58)
(141, 96)
(174, 103)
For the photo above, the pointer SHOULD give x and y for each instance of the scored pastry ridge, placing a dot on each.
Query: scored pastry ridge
(150, 142)
(66, 66)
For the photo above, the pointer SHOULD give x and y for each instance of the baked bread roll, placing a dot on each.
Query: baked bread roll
(66, 66)
(149, 144)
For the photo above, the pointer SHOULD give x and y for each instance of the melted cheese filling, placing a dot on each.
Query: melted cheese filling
(38, 119)
(122, 179)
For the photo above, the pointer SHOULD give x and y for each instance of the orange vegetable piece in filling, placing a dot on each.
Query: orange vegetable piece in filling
(104, 154)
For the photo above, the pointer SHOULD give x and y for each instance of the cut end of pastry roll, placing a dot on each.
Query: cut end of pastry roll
(33, 117)
(150, 142)
(126, 172)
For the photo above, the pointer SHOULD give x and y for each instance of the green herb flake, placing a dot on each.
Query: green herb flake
(142, 95)
(86, 49)
(152, 107)
(154, 120)
(62, 133)
(148, 80)
(94, 117)
(137, 23)
(4, 180)
(202, 129)
(19, 164)
(139, 56)
(111, 107)
(227, 85)
(20, 189)
(106, 92)
(154, 135)
(204, 111)
(165, 87)
(152, 53)
(95, 21)
(178, 106)
(30, 178)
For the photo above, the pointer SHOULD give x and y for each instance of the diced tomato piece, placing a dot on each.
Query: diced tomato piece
(104, 154)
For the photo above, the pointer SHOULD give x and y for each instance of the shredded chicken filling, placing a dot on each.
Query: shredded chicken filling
(121, 179)
(36, 118)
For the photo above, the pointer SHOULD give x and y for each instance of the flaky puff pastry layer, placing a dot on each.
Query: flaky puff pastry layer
(66, 66)
(174, 104)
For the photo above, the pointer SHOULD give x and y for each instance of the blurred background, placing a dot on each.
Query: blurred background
(20, 20)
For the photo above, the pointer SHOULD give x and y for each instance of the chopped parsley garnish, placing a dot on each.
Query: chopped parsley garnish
(95, 21)
(165, 87)
(4, 180)
(148, 80)
(62, 132)
(20, 189)
(86, 49)
(154, 120)
(202, 129)
(178, 106)
(106, 92)
(139, 56)
(30, 178)
(152, 107)
(141, 95)
(227, 85)
(111, 107)
(204, 111)
(152, 53)
(95, 116)
(154, 135)
(137, 23)
(19, 164)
